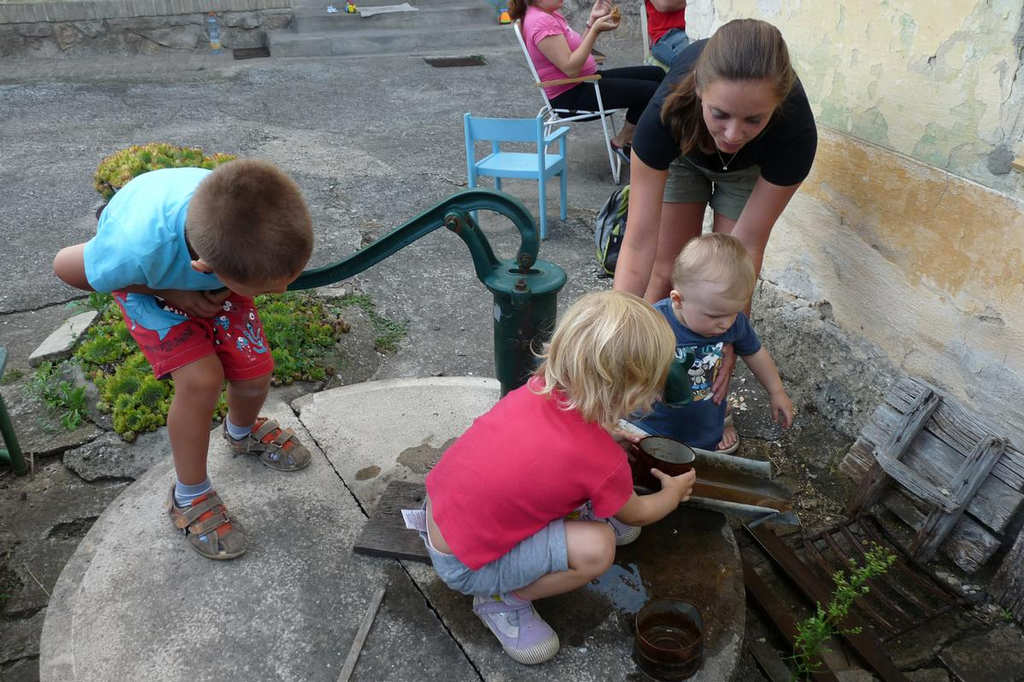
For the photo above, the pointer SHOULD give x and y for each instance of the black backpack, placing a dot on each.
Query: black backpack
(610, 228)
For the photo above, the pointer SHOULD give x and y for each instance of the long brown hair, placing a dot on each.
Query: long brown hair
(517, 8)
(741, 50)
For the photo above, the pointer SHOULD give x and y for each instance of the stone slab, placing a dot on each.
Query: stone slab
(62, 341)
(135, 602)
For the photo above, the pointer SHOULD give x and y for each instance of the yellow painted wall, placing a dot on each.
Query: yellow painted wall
(911, 223)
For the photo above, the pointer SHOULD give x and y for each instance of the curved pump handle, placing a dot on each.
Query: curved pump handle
(453, 213)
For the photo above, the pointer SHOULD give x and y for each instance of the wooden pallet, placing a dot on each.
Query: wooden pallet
(941, 471)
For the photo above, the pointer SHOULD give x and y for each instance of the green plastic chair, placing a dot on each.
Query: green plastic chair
(12, 453)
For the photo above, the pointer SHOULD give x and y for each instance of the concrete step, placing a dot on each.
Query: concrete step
(287, 43)
(313, 19)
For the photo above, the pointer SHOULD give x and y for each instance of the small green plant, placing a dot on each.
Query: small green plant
(1006, 615)
(814, 631)
(300, 329)
(116, 170)
(11, 376)
(389, 332)
(60, 395)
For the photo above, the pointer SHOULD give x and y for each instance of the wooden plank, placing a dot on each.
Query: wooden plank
(938, 461)
(1007, 586)
(385, 533)
(777, 611)
(865, 643)
(890, 450)
(994, 503)
(969, 544)
(770, 662)
(964, 485)
(961, 430)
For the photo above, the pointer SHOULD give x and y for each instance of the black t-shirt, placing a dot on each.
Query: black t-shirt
(784, 150)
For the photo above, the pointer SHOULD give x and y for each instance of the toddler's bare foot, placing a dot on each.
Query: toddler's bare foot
(729, 437)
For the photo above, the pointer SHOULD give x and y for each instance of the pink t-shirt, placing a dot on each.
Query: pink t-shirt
(519, 467)
(538, 25)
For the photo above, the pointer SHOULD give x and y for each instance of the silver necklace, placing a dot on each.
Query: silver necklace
(725, 164)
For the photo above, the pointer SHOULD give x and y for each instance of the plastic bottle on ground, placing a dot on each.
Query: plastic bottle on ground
(214, 30)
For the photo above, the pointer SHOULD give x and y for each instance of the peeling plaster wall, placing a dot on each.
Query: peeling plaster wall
(911, 224)
(938, 81)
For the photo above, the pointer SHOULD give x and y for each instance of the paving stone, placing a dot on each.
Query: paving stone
(927, 675)
(60, 343)
(19, 637)
(995, 655)
(110, 457)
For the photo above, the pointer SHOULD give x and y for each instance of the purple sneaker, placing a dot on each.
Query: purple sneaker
(624, 533)
(522, 632)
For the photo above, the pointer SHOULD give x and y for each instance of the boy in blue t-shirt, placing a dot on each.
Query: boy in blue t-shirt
(184, 251)
(712, 280)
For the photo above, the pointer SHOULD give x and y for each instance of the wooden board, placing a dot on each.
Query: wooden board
(385, 533)
(936, 458)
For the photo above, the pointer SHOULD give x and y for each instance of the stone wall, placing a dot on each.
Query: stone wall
(51, 29)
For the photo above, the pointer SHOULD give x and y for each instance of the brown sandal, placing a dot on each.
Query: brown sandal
(208, 527)
(276, 447)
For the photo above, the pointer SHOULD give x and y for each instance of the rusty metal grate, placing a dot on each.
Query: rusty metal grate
(902, 599)
(250, 52)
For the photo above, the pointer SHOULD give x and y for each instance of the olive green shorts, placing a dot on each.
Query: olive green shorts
(726, 192)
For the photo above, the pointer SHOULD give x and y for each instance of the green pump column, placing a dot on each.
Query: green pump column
(525, 308)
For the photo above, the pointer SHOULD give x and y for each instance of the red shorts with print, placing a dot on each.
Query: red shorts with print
(235, 335)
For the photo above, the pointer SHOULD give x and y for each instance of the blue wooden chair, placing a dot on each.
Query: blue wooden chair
(539, 165)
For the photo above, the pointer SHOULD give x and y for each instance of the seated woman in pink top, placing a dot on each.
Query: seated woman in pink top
(559, 52)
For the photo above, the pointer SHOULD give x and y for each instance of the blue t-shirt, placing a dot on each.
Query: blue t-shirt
(140, 239)
(700, 422)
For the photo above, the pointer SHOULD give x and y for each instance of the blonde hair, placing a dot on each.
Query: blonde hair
(609, 356)
(719, 258)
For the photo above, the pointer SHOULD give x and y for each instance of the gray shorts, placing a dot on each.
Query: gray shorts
(543, 552)
(726, 192)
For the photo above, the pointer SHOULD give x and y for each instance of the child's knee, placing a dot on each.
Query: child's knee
(595, 551)
(202, 380)
(251, 388)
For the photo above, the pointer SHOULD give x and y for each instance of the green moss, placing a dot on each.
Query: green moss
(116, 170)
(389, 332)
(12, 376)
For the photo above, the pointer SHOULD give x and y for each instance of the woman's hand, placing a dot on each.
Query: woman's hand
(720, 387)
(195, 303)
(605, 23)
(600, 9)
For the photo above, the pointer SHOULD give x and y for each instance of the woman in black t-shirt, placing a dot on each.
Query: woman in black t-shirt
(731, 126)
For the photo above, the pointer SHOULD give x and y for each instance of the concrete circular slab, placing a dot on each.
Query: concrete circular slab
(135, 602)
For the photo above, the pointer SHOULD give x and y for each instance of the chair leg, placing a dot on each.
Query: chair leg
(10, 439)
(497, 183)
(564, 191)
(543, 208)
(613, 158)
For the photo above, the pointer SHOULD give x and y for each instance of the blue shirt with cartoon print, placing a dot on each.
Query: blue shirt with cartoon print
(700, 422)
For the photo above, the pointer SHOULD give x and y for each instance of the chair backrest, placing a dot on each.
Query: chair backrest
(504, 129)
(518, 28)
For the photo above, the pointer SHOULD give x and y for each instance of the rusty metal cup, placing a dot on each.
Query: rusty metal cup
(662, 453)
(669, 639)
